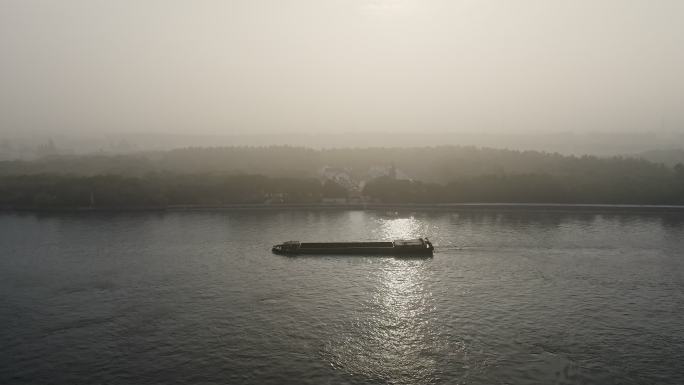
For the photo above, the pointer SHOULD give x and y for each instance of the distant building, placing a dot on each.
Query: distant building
(340, 176)
(47, 149)
(389, 171)
(274, 198)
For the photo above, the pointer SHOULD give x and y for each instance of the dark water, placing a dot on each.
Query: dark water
(518, 298)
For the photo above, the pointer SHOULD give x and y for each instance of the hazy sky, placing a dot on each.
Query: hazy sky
(224, 66)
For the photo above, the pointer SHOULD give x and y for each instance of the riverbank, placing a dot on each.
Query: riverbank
(492, 207)
(449, 207)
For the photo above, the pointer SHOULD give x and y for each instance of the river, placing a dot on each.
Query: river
(197, 297)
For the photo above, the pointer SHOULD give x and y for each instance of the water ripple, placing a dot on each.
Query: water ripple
(515, 298)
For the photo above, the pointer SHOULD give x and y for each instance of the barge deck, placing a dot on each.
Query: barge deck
(410, 247)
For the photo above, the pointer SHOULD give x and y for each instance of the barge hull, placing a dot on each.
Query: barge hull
(417, 247)
(363, 251)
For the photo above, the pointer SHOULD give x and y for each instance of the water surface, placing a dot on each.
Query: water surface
(197, 297)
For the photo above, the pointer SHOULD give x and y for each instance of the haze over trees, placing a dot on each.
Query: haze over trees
(429, 164)
(659, 144)
(281, 174)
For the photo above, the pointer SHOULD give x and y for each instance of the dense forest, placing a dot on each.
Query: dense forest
(248, 175)
(428, 164)
(533, 188)
(113, 191)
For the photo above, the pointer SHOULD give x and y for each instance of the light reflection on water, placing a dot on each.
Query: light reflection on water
(396, 329)
(402, 228)
(396, 321)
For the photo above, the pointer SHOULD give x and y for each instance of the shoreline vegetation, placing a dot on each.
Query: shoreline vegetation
(289, 177)
(446, 207)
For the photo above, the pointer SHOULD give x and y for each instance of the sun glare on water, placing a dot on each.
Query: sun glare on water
(396, 322)
(400, 228)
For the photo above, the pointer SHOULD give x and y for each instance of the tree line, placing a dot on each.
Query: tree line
(281, 174)
(438, 164)
(153, 191)
(536, 188)
(46, 191)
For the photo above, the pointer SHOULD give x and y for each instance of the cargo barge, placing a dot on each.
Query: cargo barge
(403, 247)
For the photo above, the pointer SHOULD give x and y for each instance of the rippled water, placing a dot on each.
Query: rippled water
(197, 297)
